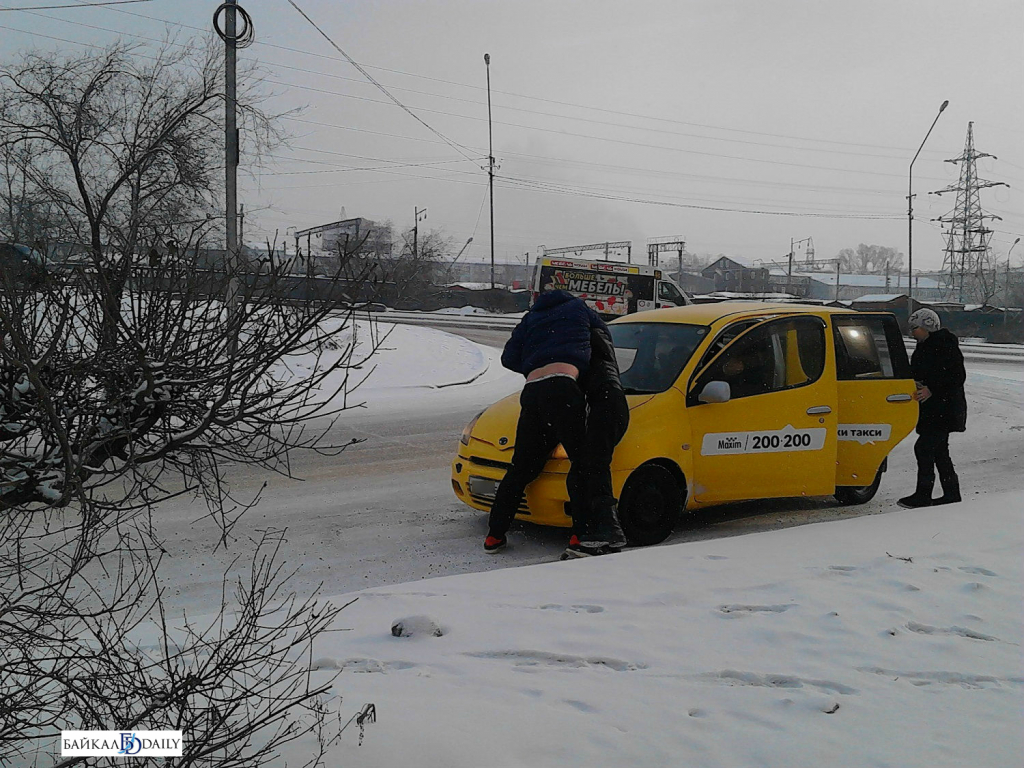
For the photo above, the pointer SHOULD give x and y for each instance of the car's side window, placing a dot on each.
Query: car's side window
(869, 347)
(725, 338)
(778, 355)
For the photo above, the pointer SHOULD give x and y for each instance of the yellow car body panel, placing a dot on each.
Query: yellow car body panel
(810, 437)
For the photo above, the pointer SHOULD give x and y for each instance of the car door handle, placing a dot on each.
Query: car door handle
(818, 409)
(901, 398)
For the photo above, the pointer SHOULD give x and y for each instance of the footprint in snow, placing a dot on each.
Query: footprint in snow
(925, 629)
(748, 609)
(977, 570)
(572, 608)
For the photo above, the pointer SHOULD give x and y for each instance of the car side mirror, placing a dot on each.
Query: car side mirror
(715, 392)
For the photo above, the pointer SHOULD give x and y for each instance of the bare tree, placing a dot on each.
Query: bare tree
(870, 260)
(416, 270)
(127, 382)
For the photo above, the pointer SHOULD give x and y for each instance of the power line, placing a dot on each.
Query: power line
(75, 5)
(510, 93)
(566, 190)
(453, 144)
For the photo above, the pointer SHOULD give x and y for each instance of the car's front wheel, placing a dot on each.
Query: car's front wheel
(849, 495)
(650, 505)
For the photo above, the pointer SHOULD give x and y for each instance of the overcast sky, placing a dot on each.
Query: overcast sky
(739, 125)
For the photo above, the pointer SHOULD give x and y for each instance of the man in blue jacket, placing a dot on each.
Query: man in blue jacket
(551, 347)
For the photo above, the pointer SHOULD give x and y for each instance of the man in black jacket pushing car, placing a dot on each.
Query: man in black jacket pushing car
(938, 367)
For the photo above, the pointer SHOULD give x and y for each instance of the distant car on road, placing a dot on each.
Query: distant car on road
(728, 402)
(21, 265)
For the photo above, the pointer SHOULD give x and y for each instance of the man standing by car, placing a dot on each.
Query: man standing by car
(595, 525)
(551, 347)
(938, 367)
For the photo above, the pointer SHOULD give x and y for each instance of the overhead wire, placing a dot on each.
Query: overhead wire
(558, 102)
(450, 142)
(73, 5)
(536, 184)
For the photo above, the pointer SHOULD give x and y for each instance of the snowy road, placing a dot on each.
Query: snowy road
(384, 513)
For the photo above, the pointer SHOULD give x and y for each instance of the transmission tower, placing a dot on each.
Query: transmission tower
(967, 237)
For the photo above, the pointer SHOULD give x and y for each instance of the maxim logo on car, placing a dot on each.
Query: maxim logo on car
(763, 441)
(730, 444)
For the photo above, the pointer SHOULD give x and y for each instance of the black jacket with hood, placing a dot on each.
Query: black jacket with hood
(555, 330)
(938, 363)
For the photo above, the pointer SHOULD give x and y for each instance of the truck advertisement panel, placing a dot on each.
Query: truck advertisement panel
(612, 290)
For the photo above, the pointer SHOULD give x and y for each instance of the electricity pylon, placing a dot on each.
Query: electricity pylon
(967, 237)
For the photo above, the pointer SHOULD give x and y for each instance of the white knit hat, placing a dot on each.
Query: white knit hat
(925, 318)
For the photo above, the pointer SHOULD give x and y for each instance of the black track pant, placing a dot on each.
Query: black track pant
(590, 478)
(932, 452)
(552, 411)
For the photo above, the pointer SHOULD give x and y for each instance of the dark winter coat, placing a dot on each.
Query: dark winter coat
(938, 364)
(603, 374)
(555, 330)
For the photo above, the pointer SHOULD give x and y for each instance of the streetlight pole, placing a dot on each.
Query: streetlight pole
(910, 213)
(1006, 286)
(490, 158)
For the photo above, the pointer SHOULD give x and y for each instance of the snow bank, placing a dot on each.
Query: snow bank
(886, 640)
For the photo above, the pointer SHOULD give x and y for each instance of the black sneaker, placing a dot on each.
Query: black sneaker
(493, 545)
(595, 548)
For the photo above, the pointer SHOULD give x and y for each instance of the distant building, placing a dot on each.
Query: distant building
(317, 247)
(736, 274)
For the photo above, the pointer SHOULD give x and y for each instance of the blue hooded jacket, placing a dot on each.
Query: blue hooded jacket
(555, 330)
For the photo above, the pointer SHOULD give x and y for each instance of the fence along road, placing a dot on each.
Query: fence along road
(975, 351)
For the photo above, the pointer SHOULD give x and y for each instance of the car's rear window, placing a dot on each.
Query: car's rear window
(652, 355)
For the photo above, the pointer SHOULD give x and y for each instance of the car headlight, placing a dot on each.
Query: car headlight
(468, 431)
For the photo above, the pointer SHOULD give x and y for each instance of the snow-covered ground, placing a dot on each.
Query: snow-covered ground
(885, 640)
(889, 640)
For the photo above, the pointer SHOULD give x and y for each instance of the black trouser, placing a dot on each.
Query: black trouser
(590, 479)
(552, 411)
(932, 452)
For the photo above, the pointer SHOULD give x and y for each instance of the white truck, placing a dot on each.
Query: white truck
(610, 288)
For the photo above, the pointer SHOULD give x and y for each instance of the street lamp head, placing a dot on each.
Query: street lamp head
(487, 58)
(944, 105)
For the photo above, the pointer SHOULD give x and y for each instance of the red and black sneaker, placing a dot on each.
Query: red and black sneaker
(573, 549)
(493, 545)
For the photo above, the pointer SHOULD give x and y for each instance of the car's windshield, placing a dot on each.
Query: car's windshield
(651, 355)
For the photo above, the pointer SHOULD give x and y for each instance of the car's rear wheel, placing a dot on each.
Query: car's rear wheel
(849, 495)
(650, 505)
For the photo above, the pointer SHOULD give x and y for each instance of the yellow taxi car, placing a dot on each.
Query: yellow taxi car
(728, 402)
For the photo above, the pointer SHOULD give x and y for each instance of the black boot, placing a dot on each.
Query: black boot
(950, 489)
(606, 533)
(922, 497)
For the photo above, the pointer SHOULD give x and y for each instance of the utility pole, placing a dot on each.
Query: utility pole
(789, 272)
(230, 133)
(490, 158)
(416, 231)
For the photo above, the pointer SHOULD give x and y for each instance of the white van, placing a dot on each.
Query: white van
(611, 289)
